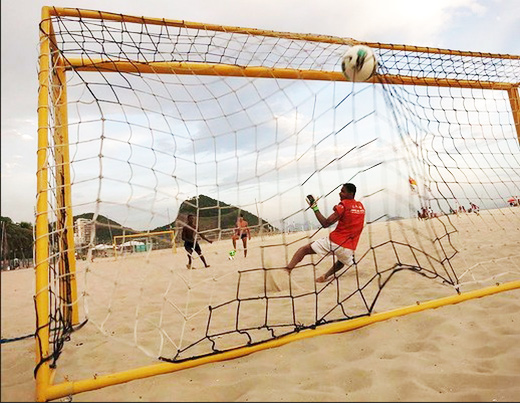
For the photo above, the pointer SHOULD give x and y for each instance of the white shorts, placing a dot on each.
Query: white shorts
(324, 247)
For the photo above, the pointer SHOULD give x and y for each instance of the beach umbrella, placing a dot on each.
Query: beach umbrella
(511, 200)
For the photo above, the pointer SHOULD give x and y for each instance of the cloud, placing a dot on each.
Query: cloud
(455, 24)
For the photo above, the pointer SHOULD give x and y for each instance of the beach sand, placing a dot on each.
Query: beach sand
(464, 352)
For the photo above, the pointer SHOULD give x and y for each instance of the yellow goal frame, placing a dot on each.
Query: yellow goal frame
(55, 101)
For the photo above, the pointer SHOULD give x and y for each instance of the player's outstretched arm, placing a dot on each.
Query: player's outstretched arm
(324, 221)
(205, 238)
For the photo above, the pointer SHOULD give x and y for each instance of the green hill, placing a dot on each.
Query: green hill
(214, 214)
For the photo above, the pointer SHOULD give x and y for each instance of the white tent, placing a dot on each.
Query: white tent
(103, 246)
(132, 243)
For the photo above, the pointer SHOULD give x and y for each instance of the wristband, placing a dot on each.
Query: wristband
(315, 209)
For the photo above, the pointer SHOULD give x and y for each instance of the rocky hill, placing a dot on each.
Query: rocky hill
(217, 215)
(213, 215)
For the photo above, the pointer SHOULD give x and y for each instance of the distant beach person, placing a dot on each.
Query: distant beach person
(342, 242)
(241, 232)
(189, 232)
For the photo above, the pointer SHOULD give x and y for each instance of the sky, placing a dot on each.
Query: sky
(472, 25)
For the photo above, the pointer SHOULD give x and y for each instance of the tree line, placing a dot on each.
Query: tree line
(16, 243)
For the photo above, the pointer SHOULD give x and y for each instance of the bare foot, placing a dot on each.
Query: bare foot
(322, 279)
(208, 266)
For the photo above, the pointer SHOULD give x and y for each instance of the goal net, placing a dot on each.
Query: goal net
(144, 122)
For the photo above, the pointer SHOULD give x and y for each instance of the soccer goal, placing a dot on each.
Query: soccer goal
(144, 242)
(147, 123)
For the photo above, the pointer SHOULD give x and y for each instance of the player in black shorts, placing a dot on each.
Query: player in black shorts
(188, 236)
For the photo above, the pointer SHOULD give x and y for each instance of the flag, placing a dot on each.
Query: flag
(413, 184)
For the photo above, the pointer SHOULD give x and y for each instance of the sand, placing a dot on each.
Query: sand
(464, 352)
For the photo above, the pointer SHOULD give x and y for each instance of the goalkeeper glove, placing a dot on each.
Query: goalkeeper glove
(312, 202)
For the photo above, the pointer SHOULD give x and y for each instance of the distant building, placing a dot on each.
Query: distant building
(83, 231)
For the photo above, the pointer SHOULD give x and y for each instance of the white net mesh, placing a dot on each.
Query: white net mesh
(149, 148)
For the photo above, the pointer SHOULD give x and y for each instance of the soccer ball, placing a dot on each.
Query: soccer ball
(359, 63)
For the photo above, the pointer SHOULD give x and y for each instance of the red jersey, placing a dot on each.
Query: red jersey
(350, 224)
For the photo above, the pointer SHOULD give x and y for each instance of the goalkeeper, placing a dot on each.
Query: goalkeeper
(342, 242)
